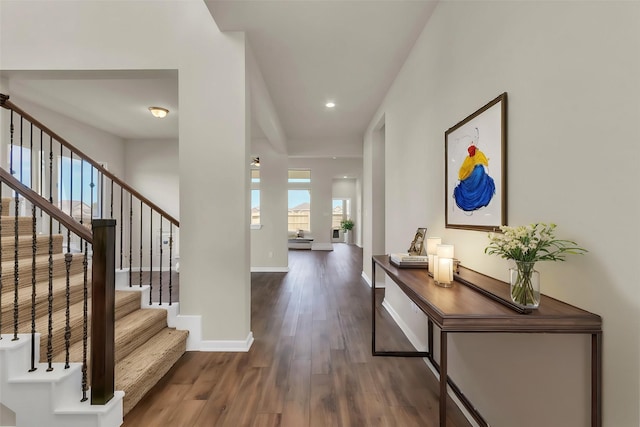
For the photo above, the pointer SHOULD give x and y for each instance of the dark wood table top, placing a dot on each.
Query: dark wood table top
(461, 308)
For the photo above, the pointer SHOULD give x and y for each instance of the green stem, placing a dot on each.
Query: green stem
(522, 290)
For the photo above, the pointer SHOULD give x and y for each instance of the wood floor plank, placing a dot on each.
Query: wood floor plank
(323, 401)
(310, 364)
(295, 412)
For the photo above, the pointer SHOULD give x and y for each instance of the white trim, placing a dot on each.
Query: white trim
(420, 346)
(269, 269)
(255, 226)
(366, 278)
(193, 324)
(223, 346)
(321, 246)
(147, 269)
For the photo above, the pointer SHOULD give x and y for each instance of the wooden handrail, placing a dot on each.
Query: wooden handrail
(5, 102)
(46, 206)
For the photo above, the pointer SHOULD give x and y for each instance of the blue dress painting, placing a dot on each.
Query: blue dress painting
(476, 188)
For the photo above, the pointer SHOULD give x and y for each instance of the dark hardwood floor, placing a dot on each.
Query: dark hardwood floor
(310, 364)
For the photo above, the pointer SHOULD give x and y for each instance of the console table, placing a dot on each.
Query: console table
(478, 303)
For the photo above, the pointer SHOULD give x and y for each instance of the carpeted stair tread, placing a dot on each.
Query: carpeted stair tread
(42, 270)
(6, 206)
(137, 373)
(131, 331)
(126, 302)
(8, 224)
(25, 246)
(76, 292)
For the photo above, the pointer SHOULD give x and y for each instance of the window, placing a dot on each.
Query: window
(299, 211)
(79, 192)
(20, 164)
(341, 211)
(255, 196)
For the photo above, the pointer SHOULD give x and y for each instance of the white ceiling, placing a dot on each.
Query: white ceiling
(308, 51)
(113, 101)
(311, 52)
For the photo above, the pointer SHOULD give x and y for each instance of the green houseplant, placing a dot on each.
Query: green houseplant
(346, 224)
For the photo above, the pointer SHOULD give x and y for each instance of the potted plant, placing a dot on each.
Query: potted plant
(347, 225)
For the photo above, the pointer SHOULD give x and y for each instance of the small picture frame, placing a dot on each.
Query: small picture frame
(417, 244)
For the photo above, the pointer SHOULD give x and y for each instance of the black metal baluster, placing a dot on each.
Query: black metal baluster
(85, 323)
(21, 147)
(101, 194)
(92, 185)
(16, 259)
(50, 290)
(50, 300)
(150, 254)
(31, 156)
(161, 244)
(67, 328)
(81, 191)
(140, 265)
(34, 248)
(41, 161)
(170, 261)
(11, 132)
(111, 209)
(60, 181)
(50, 172)
(130, 238)
(122, 226)
(70, 197)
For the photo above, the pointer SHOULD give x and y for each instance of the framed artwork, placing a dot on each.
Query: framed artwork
(476, 169)
(417, 245)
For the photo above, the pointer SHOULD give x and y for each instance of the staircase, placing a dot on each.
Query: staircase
(145, 348)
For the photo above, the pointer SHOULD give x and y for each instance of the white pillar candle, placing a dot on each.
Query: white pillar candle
(435, 267)
(432, 248)
(445, 271)
(444, 251)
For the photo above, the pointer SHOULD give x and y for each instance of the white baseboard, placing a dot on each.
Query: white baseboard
(230, 345)
(269, 269)
(366, 278)
(322, 247)
(193, 324)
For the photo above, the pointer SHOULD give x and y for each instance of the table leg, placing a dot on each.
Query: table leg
(596, 379)
(430, 338)
(373, 307)
(443, 379)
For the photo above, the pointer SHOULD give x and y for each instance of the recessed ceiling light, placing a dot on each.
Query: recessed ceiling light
(330, 104)
(159, 112)
(345, 177)
(334, 157)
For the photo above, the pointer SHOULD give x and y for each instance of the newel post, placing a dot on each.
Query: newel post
(103, 311)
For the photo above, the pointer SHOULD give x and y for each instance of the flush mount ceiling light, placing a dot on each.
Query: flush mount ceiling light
(255, 161)
(159, 112)
(330, 104)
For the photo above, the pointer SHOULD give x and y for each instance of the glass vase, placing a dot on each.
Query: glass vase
(525, 284)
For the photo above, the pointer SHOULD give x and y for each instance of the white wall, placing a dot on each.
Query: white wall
(152, 168)
(269, 250)
(99, 145)
(215, 281)
(323, 171)
(571, 72)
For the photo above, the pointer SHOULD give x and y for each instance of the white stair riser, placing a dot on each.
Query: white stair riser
(51, 399)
